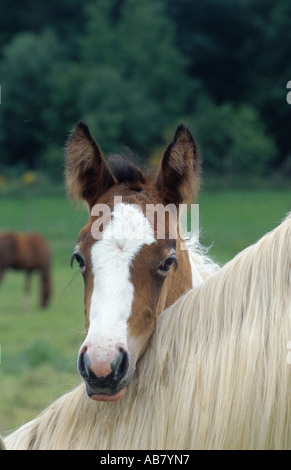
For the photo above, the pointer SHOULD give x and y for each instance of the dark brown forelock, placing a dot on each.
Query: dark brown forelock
(126, 171)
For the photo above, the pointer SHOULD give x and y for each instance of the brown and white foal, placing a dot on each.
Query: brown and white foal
(130, 274)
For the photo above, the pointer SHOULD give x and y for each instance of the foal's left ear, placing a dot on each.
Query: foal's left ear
(86, 172)
(178, 175)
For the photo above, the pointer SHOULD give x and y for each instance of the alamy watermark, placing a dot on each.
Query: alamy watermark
(165, 221)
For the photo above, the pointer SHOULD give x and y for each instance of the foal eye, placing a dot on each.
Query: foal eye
(79, 259)
(166, 265)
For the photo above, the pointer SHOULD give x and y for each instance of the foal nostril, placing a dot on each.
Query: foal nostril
(84, 363)
(120, 363)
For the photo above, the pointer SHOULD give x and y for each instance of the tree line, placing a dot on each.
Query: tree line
(134, 69)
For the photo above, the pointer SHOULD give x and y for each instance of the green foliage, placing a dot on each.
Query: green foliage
(118, 111)
(29, 62)
(267, 51)
(133, 68)
(232, 138)
(239, 50)
(129, 92)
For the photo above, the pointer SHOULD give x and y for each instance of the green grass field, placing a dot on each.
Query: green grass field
(39, 348)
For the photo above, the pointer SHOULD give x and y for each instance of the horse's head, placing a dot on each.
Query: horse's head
(131, 272)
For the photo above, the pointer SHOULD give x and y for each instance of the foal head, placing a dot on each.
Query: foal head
(130, 273)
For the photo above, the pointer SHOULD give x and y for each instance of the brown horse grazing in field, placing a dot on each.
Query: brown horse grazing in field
(131, 272)
(27, 252)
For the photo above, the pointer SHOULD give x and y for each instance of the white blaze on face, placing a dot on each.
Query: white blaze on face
(113, 292)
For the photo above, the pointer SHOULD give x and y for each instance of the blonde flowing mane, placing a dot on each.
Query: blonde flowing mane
(2, 445)
(216, 374)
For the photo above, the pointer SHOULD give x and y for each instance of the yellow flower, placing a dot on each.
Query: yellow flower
(28, 177)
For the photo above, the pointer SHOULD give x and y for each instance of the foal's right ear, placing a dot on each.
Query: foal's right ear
(86, 172)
